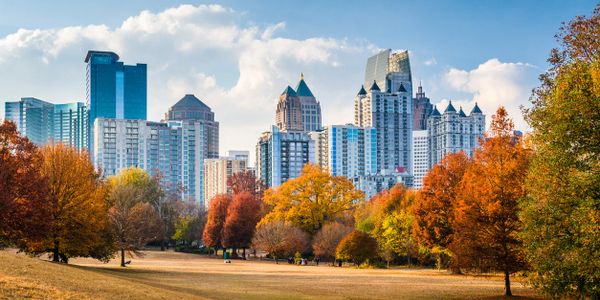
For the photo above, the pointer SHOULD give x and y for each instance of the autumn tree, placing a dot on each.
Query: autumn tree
(243, 214)
(435, 203)
(134, 222)
(217, 214)
(246, 181)
(190, 224)
(561, 213)
(24, 210)
(357, 247)
(486, 220)
(279, 238)
(327, 239)
(312, 199)
(76, 194)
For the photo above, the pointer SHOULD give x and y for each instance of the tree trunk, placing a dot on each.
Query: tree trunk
(55, 257)
(162, 244)
(122, 257)
(244, 253)
(507, 291)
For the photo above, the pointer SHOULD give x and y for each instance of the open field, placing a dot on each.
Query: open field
(169, 275)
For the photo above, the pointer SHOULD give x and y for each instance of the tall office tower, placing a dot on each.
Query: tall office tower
(311, 108)
(346, 150)
(43, 122)
(190, 108)
(422, 109)
(282, 155)
(288, 116)
(70, 124)
(453, 131)
(216, 173)
(389, 110)
(420, 157)
(175, 149)
(114, 90)
(298, 110)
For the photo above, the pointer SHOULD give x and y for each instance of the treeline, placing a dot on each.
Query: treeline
(54, 201)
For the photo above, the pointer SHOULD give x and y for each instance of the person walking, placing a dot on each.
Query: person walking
(317, 260)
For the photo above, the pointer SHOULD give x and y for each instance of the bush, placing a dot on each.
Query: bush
(357, 247)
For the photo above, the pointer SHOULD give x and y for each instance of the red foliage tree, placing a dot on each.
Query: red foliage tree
(24, 210)
(217, 214)
(246, 181)
(242, 215)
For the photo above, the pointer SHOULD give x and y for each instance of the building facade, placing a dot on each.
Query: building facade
(420, 157)
(298, 110)
(282, 155)
(43, 122)
(346, 150)
(113, 89)
(376, 183)
(422, 109)
(453, 131)
(216, 173)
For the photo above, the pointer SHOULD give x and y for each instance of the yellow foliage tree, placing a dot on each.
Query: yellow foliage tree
(312, 199)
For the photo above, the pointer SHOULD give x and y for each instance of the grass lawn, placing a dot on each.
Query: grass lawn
(169, 275)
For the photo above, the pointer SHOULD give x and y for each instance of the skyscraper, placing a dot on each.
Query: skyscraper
(218, 170)
(420, 157)
(389, 110)
(422, 109)
(282, 155)
(298, 110)
(190, 108)
(114, 90)
(453, 131)
(43, 122)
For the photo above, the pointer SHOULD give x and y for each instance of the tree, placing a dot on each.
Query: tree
(217, 214)
(24, 210)
(76, 195)
(328, 238)
(246, 181)
(190, 224)
(312, 199)
(134, 222)
(242, 216)
(357, 247)
(279, 238)
(561, 213)
(435, 203)
(486, 219)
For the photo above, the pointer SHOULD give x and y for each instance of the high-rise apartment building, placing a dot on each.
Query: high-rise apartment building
(298, 110)
(420, 157)
(453, 131)
(43, 122)
(190, 108)
(113, 89)
(346, 150)
(282, 155)
(389, 110)
(422, 109)
(218, 170)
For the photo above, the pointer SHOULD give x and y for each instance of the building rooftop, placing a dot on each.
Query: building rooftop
(90, 53)
(302, 89)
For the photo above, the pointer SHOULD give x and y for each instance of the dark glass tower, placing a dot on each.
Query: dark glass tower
(113, 89)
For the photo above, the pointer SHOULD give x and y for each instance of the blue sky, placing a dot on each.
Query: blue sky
(238, 55)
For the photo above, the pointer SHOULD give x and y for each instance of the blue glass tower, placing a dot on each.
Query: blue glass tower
(113, 89)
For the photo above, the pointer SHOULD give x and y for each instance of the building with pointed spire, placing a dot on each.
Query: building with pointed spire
(422, 109)
(311, 108)
(298, 110)
(453, 131)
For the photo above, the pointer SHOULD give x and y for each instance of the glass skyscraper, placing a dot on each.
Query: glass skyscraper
(113, 89)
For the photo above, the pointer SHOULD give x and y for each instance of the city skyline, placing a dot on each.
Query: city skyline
(253, 55)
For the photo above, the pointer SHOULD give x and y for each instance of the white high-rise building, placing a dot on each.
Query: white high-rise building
(346, 150)
(218, 170)
(420, 157)
(453, 131)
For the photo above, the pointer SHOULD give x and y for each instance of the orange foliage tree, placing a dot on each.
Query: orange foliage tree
(486, 216)
(242, 215)
(217, 214)
(357, 247)
(24, 210)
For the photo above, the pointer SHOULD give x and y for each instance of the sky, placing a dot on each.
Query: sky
(238, 56)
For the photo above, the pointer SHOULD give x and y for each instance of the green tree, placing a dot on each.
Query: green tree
(561, 216)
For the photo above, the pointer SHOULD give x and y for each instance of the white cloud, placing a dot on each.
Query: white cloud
(208, 50)
(491, 84)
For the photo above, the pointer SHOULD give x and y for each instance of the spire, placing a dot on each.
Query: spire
(435, 112)
(402, 89)
(302, 88)
(461, 112)
(289, 91)
(476, 109)
(374, 87)
(362, 91)
(420, 89)
(450, 108)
